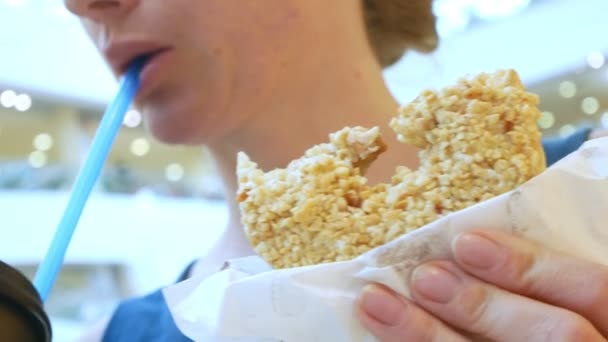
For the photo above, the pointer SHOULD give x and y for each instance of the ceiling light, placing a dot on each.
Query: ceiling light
(23, 102)
(595, 60)
(140, 147)
(567, 89)
(43, 142)
(546, 120)
(37, 159)
(590, 105)
(174, 172)
(132, 118)
(8, 98)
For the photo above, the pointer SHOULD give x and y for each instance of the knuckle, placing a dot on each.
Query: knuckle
(419, 326)
(428, 332)
(519, 268)
(438, 332)
(425, 328)
(473, 304)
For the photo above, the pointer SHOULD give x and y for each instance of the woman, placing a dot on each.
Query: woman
(274, 77)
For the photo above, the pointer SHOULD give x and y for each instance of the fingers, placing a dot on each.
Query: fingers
(526, 268)
(393, 319)
(482, 309)
(515, 290)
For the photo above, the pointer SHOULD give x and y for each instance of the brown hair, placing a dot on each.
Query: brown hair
(394, 26)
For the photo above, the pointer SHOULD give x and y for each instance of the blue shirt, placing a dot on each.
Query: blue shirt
(148, 319)
(145, 319)
(558, 148)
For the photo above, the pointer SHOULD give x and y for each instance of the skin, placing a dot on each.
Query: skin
(496, 287)
(243, 76)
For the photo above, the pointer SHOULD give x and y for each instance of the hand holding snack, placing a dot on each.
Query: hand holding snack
(498, 287)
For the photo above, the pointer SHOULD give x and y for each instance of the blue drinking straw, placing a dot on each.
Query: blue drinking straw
(106, 133)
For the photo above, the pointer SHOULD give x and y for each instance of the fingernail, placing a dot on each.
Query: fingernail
(477, 251)
(382, 306)
(435, 283)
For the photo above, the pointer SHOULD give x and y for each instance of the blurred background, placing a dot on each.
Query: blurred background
(157, 207)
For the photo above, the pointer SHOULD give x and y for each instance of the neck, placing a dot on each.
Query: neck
(308, 111)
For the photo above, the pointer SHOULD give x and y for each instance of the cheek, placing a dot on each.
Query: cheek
(232, 83)
(253, 73)
(264, 55)
(225, 75)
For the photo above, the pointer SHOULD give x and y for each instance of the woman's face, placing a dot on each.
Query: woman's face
(212, 65)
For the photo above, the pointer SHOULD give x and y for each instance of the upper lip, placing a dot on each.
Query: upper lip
(120, 54)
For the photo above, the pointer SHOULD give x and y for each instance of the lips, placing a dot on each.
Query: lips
(154, 72)
(120, 54)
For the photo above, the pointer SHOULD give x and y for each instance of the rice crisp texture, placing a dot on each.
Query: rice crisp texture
(479, 139)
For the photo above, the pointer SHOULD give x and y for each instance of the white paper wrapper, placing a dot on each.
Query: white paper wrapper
(564, 208)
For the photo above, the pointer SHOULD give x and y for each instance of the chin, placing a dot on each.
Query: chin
(172, 129)
(172, 134)
(167, 122)
(180, 125)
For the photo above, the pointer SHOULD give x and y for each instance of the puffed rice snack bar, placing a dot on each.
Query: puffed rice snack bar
(479, 139)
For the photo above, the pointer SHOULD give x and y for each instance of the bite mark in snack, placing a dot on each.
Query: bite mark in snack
(479, 139)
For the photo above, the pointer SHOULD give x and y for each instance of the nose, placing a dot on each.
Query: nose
(100, 10)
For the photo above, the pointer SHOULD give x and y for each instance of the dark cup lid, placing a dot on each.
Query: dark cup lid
(19, 293)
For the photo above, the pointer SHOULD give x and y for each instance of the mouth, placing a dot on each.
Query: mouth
(121, 54)
(146, 57)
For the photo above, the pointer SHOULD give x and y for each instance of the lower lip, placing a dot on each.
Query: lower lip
(151, 73)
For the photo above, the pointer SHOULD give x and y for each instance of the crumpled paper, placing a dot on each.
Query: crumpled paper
(564, 208)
